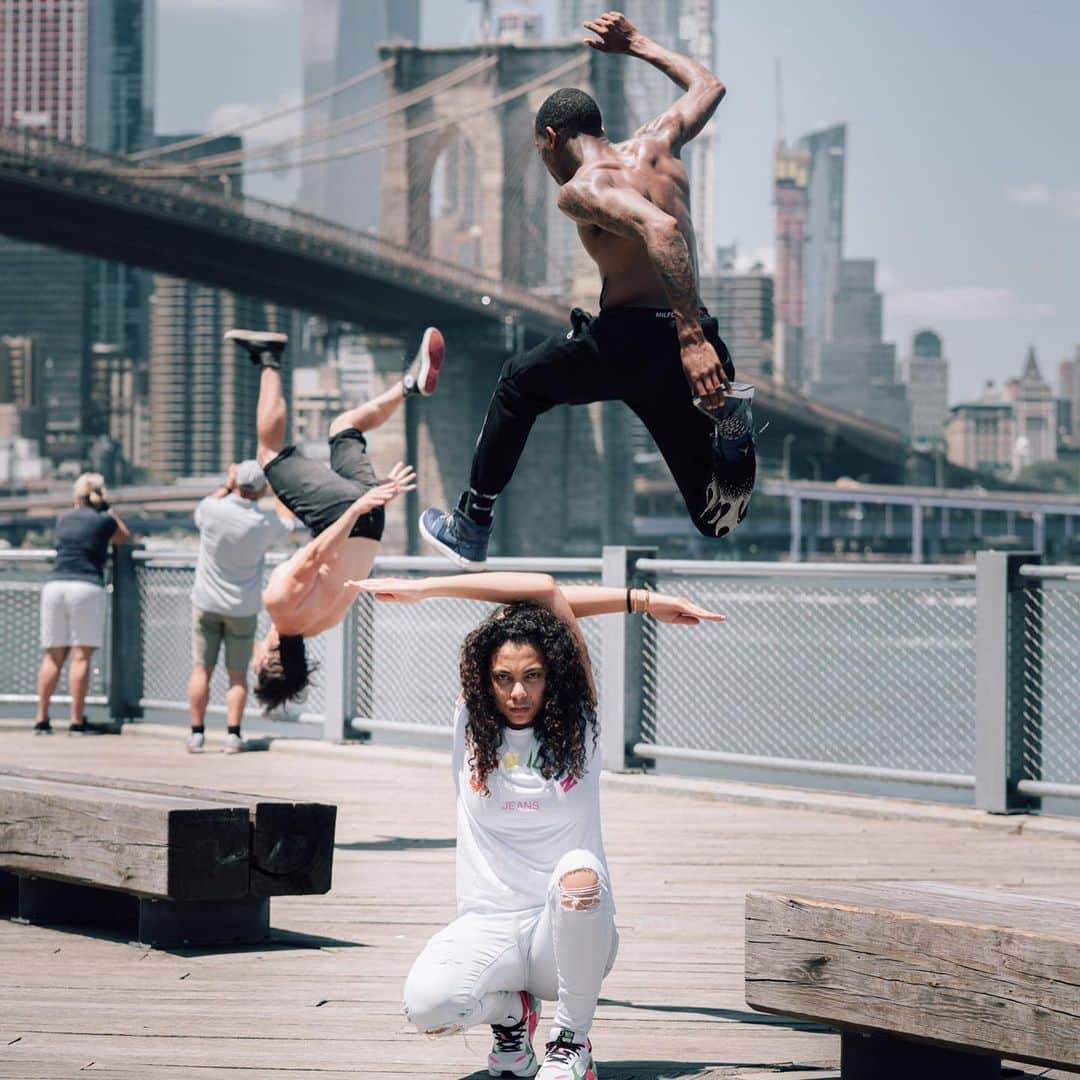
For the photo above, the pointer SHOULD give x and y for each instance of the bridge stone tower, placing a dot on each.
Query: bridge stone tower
(471, 190)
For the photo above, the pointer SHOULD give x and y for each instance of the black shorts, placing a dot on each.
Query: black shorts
(318, 495)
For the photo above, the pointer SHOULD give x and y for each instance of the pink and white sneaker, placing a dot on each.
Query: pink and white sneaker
(567, 1060)
(422, 375)
(512, 1052)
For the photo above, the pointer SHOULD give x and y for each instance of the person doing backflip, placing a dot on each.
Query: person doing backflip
(341, 503)
(653, 345)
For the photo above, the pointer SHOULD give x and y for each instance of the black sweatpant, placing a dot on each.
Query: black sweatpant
(630, 355)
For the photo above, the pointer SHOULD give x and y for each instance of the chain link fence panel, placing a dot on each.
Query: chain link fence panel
(407, 655)
(166, 610)
(873, 672)
(1051, 691)
(21, 583)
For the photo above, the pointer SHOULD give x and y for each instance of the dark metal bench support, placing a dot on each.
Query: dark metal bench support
(158, 923)
(885, 1057)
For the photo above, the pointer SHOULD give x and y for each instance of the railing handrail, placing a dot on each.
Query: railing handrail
(186, 557)
(1058, 573)
(27, 554)
(717, 568)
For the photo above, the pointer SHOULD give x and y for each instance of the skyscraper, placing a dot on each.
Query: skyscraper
(1036, 415)
(925, 372)
(202, 393)
(824, 238)
(791, 174)
(81, 72)
(687, 27)
(341, 40)
(1069, 392)
(742, 304)
(856, 370)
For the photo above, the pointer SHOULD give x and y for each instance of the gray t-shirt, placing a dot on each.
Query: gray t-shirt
(234, 535)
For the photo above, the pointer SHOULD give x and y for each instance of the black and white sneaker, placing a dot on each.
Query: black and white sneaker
(422, 375)
(264, 347)
(734, 420)
(43, 727)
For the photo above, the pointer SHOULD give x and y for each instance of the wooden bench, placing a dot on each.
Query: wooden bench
(924, 981)
(172, 865)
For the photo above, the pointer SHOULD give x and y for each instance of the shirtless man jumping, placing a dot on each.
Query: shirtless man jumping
(653, 345)
(341, 503)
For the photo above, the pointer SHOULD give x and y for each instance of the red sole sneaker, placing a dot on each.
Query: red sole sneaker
(433, 352)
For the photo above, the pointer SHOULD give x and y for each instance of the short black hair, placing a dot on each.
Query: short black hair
(571, 112)
(284, 675)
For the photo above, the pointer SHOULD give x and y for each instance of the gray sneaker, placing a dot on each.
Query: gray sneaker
(234, 744)
(196, 742)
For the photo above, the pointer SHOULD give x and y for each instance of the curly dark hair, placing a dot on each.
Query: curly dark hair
(568, 712)
(285, 672)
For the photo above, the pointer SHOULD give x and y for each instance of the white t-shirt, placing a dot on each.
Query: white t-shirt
(233, 537)
(509, 842)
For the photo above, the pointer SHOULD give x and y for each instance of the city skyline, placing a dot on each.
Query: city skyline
(960, 186)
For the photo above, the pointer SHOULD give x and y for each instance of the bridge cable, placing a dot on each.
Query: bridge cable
(399, 137)
(371, 115)
(258, 121)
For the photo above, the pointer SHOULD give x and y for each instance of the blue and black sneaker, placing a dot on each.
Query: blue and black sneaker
(452, 534)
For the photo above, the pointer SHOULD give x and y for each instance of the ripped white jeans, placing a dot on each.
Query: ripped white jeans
(470, 972)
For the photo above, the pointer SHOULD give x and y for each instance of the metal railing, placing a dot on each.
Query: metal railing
(22, 577)
(830, 669)
(940, 679)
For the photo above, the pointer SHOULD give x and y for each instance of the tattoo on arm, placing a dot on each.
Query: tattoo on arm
(622, 211)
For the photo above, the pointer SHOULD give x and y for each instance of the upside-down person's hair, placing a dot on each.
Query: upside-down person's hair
(571, 112)
(284, 674)
(568, 714)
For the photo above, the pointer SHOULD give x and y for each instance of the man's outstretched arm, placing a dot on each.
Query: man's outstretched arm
(704, 91)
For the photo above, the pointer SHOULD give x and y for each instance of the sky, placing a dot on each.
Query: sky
(963, 166)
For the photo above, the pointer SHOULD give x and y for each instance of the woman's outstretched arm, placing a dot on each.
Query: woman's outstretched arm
(508, 586)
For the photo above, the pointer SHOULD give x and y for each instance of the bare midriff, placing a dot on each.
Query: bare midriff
(327, 600)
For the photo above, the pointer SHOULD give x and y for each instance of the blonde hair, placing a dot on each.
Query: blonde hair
(90, 487)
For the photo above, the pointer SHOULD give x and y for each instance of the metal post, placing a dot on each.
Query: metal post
(795, 505)
(412, 498)
(999, 677)
(1038, 525)
(126, 636)
(620, 662)
(337, 672)
(916, 533)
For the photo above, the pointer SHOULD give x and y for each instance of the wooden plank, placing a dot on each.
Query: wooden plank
(150, 845)
(292, 843)
(943, 964)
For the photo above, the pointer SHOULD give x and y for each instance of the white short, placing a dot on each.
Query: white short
(72, 613)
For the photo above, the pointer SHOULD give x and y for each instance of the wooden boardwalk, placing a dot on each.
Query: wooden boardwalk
(324, 999)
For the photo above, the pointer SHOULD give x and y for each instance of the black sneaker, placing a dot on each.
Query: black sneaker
(422, 375)
(43, 727)
(89, 727)
(264, 347)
